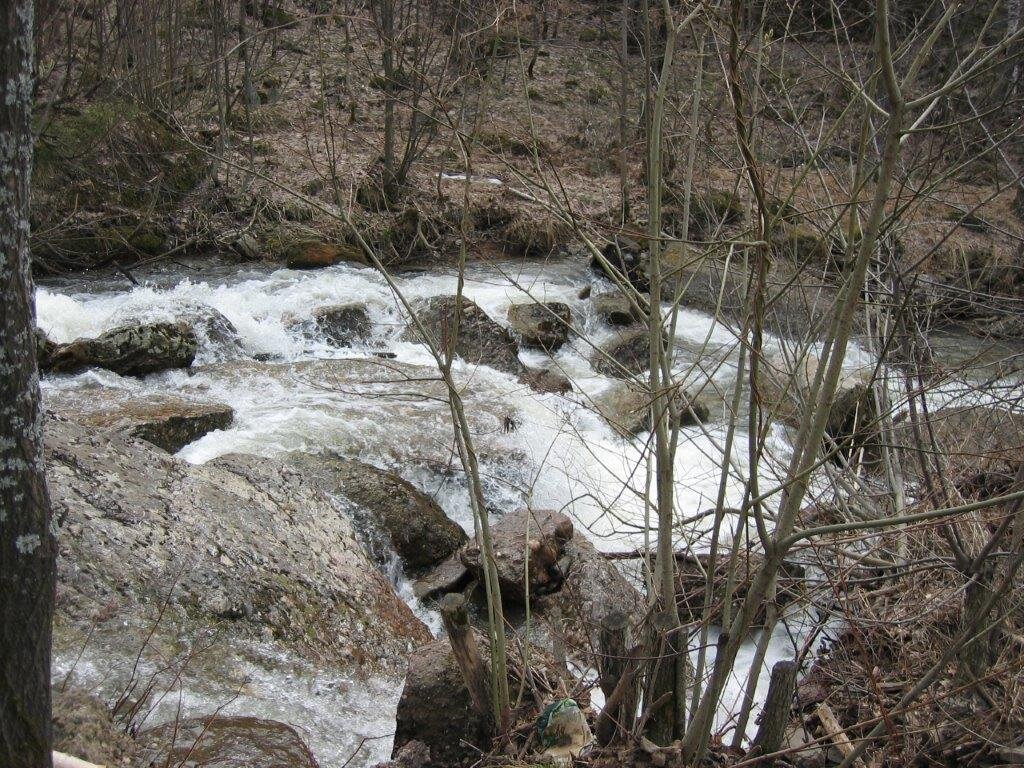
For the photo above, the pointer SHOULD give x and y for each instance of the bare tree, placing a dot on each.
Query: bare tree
(27, 545)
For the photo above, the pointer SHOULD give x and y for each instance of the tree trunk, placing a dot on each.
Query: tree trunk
(27, 545)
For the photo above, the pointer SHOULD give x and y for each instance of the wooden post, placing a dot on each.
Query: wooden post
(775, 714)
(467, 653)
(663, 724)
(616, 679)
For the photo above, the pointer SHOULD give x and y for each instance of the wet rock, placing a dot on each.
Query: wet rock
(82, 727)
(219, 741)
(418, 528)
(480, 340)
(584, 292)
(167, 421)
(44, 349)
(615, 309)
(216, 335)
(544, 533)
(341, 325)
(626, 409)
(626, 257)
(315, 255)
(546, 381)
(135, 350)
(544, 325)
(450, 576)
(592, 588)
(629, 353)
(436, 710)
(241, 538)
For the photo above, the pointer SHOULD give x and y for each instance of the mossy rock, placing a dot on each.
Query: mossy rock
(114, 153)
(314, 254)
(708, 210)
(801, 243)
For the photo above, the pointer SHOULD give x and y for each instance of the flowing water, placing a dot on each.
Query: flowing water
(308, 395)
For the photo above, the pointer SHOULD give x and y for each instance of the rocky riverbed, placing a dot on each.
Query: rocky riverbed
(257, 487)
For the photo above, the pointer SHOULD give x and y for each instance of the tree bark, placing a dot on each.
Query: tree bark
(27, 544)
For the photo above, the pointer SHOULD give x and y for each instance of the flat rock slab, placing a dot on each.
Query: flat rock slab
(166, 421)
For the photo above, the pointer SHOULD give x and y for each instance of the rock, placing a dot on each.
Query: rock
(630, 353)
(546, 381)
(592, 588)
(167, 421)
(627, 409)
(219, 741)
(584, 292)
(544, 325)
(44, 349)
(801, 244)
(615, 309)
(82, 726)
(627, 257)
(413, 754)
(480, 341)
(217, 337)
(548, 533)
(134, 350)
(315, 254)
(418, 528)
(435, 708)
(241, 538)
(449, 576)
(852, 414)
(341, 325)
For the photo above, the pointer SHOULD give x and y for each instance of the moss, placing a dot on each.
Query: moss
(801, 243)
(596, 94)
(113, 153)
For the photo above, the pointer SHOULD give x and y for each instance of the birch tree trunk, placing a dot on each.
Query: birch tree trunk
(27, 545)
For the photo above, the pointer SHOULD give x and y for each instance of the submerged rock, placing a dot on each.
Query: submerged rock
(546, 381)
(544, 325)
(135, 350)
(419, 530)
(168, 421)
(220, 741)
(242, 538)
(341, 325)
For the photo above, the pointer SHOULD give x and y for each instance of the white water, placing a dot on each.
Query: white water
(562, 454)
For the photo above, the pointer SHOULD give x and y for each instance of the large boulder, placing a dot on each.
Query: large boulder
(135, 350)
(627, 409)
(629, 353)
(436, 709)
(418, 528)
(168, 421)
(217, 336)
(545, 325)
(541, 533)
(242, 539)
(219, 741)
(480, 339)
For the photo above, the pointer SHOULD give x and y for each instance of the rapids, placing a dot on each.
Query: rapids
(560, 454)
